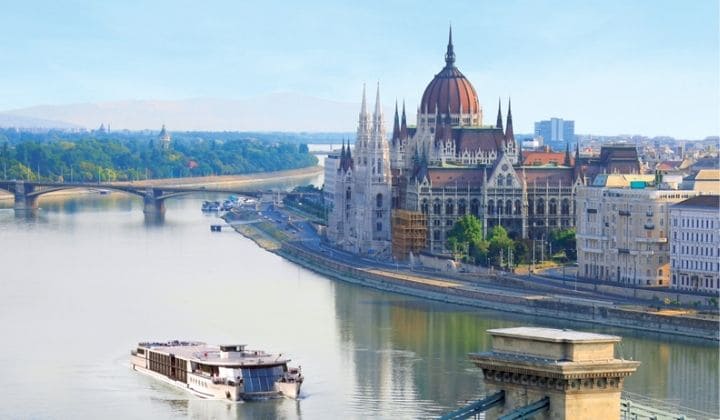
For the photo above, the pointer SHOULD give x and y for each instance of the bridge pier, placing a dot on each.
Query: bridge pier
(23, 200)
(553, 374)
(153, 205)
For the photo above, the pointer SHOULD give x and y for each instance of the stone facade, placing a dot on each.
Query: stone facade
(622, 232)
(695, 244)
(359, 218)
(576, 371)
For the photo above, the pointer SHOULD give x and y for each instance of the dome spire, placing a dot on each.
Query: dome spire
(450, 54)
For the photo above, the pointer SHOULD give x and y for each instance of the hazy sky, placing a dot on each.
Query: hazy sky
(650, 67)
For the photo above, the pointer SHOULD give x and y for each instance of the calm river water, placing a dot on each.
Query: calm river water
(86, 279)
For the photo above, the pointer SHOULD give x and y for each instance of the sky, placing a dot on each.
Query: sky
(648, 67)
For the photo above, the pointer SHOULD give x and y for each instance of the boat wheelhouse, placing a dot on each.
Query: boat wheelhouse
(229, 371)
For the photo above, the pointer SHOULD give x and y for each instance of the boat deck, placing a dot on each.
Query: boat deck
(214, 355)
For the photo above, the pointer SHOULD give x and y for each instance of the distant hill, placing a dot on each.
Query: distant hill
(25, 122)
(274, 112)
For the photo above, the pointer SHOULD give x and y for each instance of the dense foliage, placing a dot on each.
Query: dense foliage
(126, 156)
(465, 240)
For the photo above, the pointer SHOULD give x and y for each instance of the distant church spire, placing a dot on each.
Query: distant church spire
(499, 123)
(450, 54)
(363, 107)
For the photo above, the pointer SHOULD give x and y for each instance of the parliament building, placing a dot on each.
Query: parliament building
(405, 194)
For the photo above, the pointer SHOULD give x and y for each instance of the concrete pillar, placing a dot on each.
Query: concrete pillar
(153, 203)
(24, 201)
(576, 370)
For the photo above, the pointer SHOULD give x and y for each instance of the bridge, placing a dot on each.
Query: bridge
(26, 193)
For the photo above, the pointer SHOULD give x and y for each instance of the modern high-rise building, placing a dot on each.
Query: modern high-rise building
(556, 133)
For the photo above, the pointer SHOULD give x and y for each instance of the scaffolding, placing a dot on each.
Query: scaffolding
(409, 233)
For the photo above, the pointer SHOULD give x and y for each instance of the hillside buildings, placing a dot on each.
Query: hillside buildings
(695, 244)
(164, 139)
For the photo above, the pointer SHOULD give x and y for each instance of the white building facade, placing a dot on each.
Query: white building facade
(695, 244)
(359, 217)
(622, 232)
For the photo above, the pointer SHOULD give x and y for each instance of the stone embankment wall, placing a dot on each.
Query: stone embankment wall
(448, 291)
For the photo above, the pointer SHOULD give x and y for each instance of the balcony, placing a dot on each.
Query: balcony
(649, 226)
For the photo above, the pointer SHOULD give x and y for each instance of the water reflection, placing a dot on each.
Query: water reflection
(108, 280)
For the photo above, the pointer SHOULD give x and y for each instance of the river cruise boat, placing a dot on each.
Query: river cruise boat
(229, 372)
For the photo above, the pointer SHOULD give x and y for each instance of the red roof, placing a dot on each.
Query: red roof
(531, 158)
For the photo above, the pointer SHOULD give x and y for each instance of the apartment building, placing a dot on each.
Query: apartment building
(695, 244)
(622, 229)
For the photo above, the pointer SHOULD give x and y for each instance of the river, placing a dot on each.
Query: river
(86, 279)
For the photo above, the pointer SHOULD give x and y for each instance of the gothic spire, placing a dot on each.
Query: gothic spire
(396, 125)
(403, 124)
(509, 135)
(520, 156)
(499, 123)
(450, 54)
(567, 155)
(363, 107)
(378, 108)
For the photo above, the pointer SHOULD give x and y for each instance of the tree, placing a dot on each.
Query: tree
(564, 240)
(500, 242)
(465, 236)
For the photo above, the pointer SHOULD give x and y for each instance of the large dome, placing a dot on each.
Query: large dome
(450, 89)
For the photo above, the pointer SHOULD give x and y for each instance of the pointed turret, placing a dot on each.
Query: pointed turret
(509, 135)
(378, 108)
(519, 153)
(396, 125)
(450, 54)
(363, 107)
(403, 124)
(499, 123)
(567, 161)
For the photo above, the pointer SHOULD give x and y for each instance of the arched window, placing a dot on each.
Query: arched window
(552, 206)
(500, 180)
(565, 207)
(378, 200)
(540, 206)
(449, 207)
(378, 226)
(509, 180)
(348, 194)
(531, 207)
(436, 235)
(462, 207)
(475, 207)
(424, 206)
(499, 207)
(437, 207)
(518, 207)
(491, 207)
(508, 207)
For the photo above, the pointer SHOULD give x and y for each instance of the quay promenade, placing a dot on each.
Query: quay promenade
(500, 292)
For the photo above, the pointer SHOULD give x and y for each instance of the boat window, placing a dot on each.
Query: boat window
(261, 379)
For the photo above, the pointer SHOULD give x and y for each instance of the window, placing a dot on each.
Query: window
(379, 201)
(449, 207)
(491, 207)
(436, 235)
(437, 207)
(378, 226)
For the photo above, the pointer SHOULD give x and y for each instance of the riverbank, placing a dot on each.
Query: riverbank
(205, 181)
(268, 236)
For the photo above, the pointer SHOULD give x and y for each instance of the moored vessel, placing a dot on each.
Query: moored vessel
(229, 372)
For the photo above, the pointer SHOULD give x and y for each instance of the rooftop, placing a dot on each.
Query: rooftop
(704, 201)
(554, 335)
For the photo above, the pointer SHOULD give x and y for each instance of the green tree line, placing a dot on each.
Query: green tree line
(465, 240)
(127, 157)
